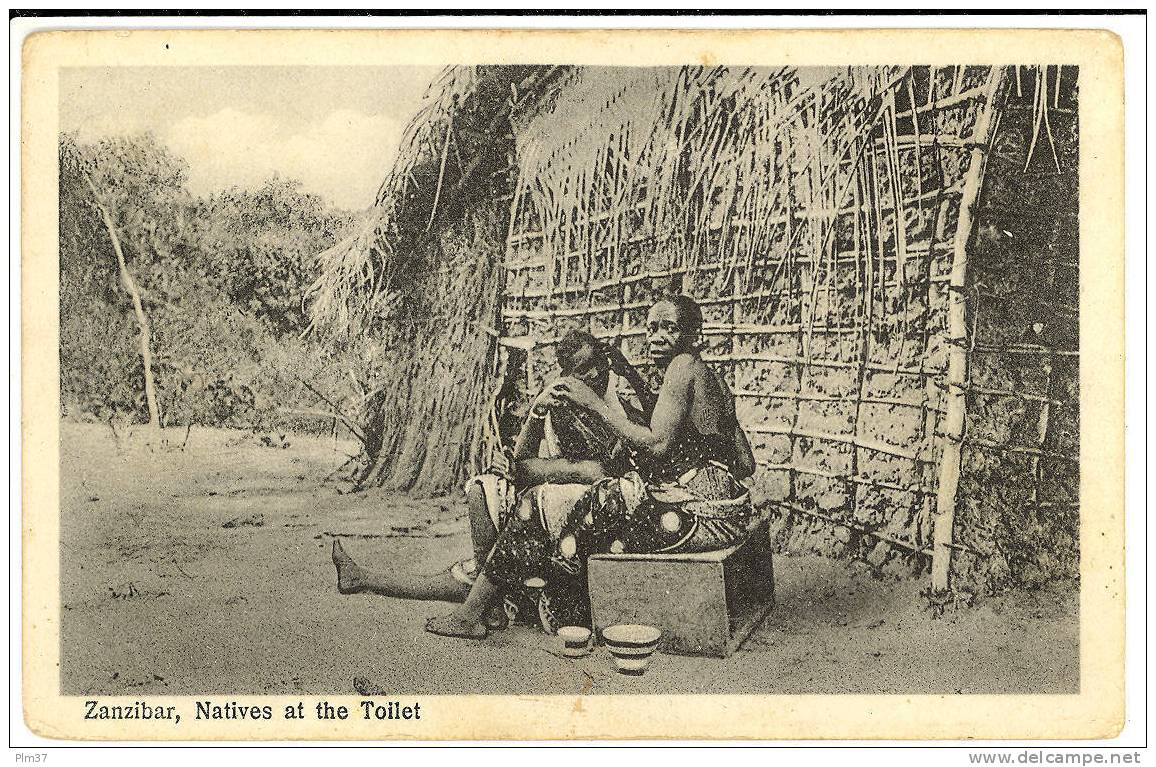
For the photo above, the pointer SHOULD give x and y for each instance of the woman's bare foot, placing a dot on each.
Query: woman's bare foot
(349, 573)
(453, 626)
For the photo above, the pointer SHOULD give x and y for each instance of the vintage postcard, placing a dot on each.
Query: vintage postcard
(449, 385)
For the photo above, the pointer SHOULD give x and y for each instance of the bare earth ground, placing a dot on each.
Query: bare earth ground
(159, 596)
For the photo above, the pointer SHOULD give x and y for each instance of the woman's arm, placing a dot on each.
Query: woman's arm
(530, 470)
(536, 471)
(534, 427)
(530, 437)
(670, 412)
(620, 365)
(744, 456)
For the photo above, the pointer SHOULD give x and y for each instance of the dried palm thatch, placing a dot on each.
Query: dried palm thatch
(416, 288)
(416, 298)
(427, 426)
(360, 282)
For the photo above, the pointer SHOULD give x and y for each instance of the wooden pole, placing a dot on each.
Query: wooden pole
(955, 404)
(142, 320)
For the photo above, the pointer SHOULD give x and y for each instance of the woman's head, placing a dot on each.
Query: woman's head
(582, 356)
(672, 327)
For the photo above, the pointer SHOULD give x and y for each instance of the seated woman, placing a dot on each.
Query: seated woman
(685, 495)
(561, 447)
(560, 451)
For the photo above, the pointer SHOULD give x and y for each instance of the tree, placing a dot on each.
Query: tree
(261, 248)
(177, 309)
(135, 189)
(142, 320)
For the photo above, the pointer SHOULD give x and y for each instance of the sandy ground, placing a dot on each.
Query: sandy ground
(207, 571)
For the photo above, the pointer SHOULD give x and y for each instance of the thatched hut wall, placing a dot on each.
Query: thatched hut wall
(427, 421)
(417, 290)
(771, 196)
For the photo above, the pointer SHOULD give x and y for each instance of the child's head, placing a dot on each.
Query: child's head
(582, 356)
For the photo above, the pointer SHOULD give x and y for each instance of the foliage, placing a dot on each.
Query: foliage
(221, 279)
(264, 247)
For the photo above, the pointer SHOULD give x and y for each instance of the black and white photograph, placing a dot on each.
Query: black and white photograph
(712, 379)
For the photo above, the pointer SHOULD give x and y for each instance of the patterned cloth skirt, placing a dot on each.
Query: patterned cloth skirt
(542, 549)
(546, 507)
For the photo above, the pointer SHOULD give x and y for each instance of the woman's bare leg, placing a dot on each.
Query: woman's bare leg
(352, 578)
(482, 530)
(467, 621)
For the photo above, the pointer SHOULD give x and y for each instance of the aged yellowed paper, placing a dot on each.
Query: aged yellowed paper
(285, 292)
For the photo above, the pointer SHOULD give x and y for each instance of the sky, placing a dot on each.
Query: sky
(336, 129)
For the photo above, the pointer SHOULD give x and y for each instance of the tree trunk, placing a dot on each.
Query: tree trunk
(141, 319)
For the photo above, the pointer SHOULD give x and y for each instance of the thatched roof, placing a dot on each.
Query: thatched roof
(675, 131)
(451, 151)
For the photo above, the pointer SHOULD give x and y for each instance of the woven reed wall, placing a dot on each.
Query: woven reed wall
(772, 197)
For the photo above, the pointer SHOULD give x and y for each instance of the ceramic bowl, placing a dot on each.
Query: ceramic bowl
(631, 645)
(575, 640)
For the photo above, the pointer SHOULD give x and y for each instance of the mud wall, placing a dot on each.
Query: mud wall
(1017, 518)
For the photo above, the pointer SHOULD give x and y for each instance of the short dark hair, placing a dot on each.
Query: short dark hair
(567, 347)
(689, 312)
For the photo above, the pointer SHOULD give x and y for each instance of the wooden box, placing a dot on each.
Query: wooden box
(705, 604)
